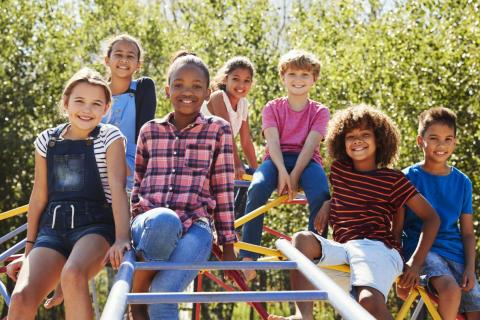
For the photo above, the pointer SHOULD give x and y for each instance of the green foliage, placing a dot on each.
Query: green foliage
(401, 56)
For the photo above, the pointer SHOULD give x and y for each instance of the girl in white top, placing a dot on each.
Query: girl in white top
(231, 85)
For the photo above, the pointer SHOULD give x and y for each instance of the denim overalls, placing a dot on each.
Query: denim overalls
(76, 201)
(123, 115)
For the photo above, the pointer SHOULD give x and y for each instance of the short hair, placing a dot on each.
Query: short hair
(124, 37)
(299, 59)
(184, 58)
(85, 75)
(387, 135)
(239, 62)
(437, 115)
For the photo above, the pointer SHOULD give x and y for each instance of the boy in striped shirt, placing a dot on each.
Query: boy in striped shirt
(363, 143)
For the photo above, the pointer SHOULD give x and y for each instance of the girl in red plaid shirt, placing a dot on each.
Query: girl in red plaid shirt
(183, 186)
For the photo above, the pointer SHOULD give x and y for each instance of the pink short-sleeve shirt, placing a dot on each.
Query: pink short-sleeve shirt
(294, 126)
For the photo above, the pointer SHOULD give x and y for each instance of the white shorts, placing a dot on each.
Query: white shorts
(372, 264)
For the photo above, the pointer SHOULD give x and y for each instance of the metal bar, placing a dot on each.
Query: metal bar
(4, 293)
(216, 265)
(348, 308)
(225, 297)
(418, 309)
(276, 233)
(117, 299)
(198, 306)
(407, 304)
(258, 249)
(13, 212)
(13, 233)
(241, 183)
(261, 210)
(429, 304)
(12, 250)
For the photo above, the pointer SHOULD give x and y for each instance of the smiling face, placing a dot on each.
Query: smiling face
(361, 148)
(85, 107)
(298, 81)
(123, 60)
(238, 83)
(187, 90)
(437, 143)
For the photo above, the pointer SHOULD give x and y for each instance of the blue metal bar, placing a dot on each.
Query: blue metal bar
(217, 265)
(4, 293)
(12, 250)
(13, 233)
(348, 308)
(241, 183)
(117, 299)
(225, 297)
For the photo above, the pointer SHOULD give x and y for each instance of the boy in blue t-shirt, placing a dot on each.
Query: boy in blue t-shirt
(450, 264)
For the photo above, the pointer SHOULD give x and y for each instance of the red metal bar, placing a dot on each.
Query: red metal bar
(276, 233)
(198, 306)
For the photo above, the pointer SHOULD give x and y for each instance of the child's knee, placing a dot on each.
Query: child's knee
(307, 243)
(72, 275)
(22, 303)
(371, 299)
(447, 288)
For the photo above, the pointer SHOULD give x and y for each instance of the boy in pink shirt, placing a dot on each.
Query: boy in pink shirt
(294, 127)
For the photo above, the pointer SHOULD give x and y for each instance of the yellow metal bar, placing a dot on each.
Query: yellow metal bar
(429, 303)
(13, 212)
(255, 213)
(258, 249)
(247, 177)
(340, 267)
(407, 304)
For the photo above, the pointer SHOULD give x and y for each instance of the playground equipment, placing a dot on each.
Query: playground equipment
(327, 290)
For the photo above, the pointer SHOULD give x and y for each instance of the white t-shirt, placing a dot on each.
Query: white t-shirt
(236, 117)
(108, 133)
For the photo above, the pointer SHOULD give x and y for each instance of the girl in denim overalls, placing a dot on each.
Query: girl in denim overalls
(78, 215)
(134, 101)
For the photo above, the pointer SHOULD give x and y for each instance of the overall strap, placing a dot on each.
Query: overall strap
(56, 134)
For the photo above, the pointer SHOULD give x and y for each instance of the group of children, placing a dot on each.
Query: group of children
(180, 171)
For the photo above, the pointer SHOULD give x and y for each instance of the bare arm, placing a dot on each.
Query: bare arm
(217, 107)
(431, 223)
(273, 143)
(38, 200)
(468, 238)
(311, 143)
(116, 169)
(398, 221)
(247, 145)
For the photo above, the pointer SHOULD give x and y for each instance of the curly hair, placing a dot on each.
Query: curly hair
(387, 136)
(438, 115)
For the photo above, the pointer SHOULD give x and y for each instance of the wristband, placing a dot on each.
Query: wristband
(29, 241)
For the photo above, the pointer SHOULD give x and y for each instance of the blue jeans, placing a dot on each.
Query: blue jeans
(313, 181)
(157, 234)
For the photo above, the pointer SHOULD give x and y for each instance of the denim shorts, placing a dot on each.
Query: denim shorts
(63, 223)
(436, 265)
(372, 264)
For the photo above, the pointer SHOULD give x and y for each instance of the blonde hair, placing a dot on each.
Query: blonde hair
(299, 59)
(85, 75)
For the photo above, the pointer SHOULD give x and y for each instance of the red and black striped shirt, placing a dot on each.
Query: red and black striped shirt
(363, 203)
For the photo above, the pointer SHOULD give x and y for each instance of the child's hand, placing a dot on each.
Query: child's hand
(284, 184)
(239, 172)
(115, 253)
(14, 267)
(402, 292)
(410, 276)
(56, 299)
(321, 219)
(294, 178)
(468, 280)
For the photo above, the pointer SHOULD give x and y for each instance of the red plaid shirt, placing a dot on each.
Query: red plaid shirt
(189, 171)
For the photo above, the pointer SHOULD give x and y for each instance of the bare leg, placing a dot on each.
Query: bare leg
(307, 244)
(449, 295)
(475, 315)
(39, 275)
(374, 302)
(85, 261)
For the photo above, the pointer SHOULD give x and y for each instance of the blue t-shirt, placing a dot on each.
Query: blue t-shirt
(450, 196)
